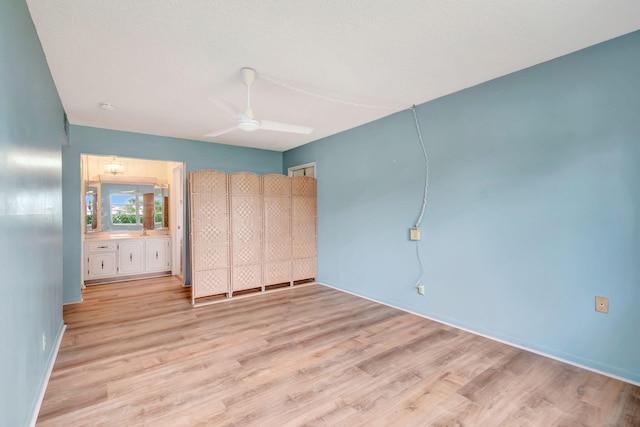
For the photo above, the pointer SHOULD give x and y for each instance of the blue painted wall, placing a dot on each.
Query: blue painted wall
(534, 207)
(195, 154)
(31, 134)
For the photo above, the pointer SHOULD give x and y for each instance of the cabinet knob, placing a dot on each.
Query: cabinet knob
(131, 257)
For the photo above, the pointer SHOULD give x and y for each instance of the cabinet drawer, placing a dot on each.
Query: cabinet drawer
(102, 246)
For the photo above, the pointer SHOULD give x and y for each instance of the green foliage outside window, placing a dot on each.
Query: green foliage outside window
(122, 218)
(124, 212)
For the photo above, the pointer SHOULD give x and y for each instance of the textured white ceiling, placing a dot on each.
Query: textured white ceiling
(160, 62)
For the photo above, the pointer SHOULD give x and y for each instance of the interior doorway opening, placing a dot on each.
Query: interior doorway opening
(132, 219)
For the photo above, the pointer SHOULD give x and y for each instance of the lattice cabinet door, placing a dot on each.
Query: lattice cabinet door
(304, 228)
(209, 233)
(246, 231)
(277, 229)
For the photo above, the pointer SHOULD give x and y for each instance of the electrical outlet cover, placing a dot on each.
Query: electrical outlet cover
(602, 304)
(414, 233)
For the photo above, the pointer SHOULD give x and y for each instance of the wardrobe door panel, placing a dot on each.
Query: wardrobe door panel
(209, 233)
(277, 229)
(246, 209)
(304, 228)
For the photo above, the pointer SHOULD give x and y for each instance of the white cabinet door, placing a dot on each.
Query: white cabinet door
(157, 254)
(131, 257)
(101, 265)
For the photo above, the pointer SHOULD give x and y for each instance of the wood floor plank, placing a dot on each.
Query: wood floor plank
(137, 353)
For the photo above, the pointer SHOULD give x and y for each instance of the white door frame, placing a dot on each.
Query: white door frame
(176, 220)
(304, 166)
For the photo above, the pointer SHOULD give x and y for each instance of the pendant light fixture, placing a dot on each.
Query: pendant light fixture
(113, 167)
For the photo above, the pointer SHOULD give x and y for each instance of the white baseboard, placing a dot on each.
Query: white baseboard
(550, 356)
(45, 383)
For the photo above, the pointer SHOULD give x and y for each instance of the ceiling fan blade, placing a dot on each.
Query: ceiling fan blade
(227, 106)
(284, 127)
(221, 132)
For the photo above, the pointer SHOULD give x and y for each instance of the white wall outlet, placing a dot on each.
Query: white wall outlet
(414, 233)
(602, 304)
(44, 342)
(420, 288)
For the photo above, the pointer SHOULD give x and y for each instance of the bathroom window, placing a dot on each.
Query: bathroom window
(126, 208)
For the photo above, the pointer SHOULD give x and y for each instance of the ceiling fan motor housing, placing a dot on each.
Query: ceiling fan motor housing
(248, 124)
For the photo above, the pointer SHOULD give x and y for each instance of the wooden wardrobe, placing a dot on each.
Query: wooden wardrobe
(249, 232)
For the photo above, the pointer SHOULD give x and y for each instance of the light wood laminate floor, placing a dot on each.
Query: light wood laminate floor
(137, 353)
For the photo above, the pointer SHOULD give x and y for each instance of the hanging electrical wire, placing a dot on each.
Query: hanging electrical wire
(329, 98)
(425, 193)
(426, 162)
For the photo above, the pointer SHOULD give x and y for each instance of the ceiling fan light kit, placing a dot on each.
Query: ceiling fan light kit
(248, 123)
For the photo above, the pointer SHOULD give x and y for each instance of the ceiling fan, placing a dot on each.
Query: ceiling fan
(247, 122)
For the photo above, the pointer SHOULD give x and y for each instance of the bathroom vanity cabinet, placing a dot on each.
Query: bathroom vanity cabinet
(126, 258)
